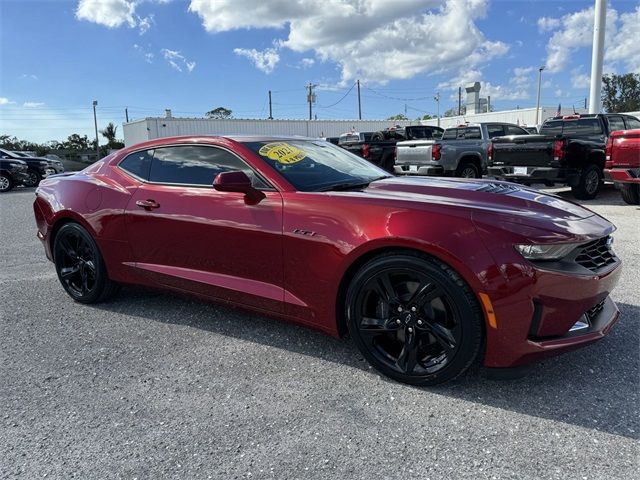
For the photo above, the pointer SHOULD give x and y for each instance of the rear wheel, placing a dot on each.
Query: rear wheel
(80, 266)
(413, 318)
(468, 170)
(6, 182)
(630, 193)
(589, 183)
(388, 163)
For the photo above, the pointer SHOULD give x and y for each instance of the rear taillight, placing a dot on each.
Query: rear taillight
(558, 149)
(607, 153)
(490, 152)
(365, 151)
(436, 151)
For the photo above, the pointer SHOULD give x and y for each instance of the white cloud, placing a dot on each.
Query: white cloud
(522, 75)
(148, 56)
(110, 13)
(6, 101)
(574, 31)
(374, 40)
(307, 62)
(546, 24)
(265, 60)
(33, 104)
(176, 60)
(29, 76)
(579, 79)
(144, 24)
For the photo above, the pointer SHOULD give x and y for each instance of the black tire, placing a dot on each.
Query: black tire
(6, 182)
(630, 193)
(468, 170)
(589, 183)
(80, 266)
(33, 178)
(424, 335)
(378, 137)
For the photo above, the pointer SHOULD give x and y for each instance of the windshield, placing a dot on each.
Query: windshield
(315, 165)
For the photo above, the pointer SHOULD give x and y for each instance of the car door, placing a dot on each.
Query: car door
(187, 235)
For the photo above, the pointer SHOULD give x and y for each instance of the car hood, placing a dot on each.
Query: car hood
(490, 196)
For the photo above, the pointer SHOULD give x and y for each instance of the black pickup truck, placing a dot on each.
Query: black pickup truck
(568, 150)
(380, 147)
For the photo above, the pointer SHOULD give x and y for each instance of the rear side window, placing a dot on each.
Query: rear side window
(138, 164)
(495, 130)
(582, 126)
(632, 123)
(196, 165)
(461, 133)
(615, 123)
(514, 130)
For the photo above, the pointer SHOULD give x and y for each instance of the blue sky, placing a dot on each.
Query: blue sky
(191, 56)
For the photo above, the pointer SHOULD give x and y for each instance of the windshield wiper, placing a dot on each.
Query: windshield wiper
(351, 185)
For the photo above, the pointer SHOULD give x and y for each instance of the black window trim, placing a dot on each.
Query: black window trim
(269, 188)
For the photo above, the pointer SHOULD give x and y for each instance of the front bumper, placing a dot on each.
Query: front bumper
(550, 314)
(623, 175)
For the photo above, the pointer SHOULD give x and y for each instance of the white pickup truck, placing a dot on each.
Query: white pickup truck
(462, 151)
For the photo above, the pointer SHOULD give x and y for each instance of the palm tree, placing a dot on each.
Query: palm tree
(109, 133)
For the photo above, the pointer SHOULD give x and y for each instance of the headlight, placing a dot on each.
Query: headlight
(546, 252)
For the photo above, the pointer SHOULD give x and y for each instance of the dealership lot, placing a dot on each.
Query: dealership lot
(155, 385)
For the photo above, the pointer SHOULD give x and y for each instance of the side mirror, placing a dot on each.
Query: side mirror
(237, 181)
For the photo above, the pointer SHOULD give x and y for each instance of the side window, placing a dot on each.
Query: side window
(495, 131)
(450, 134)
(513, 130)
(138, 164)
(632, 123)
(472, 133)
(196, 165)
(615, 123)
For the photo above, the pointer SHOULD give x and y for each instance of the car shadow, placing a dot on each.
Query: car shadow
(608, 195)
(595, 387)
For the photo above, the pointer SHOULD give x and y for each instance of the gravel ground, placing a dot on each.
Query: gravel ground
(154, 385)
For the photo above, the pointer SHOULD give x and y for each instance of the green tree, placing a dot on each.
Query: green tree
(77, 142)
(621, 93)
(453, 111)
(109, 132)
(219, 112)
(400, 116)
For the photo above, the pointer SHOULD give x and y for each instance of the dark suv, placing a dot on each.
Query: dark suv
(12, 172)
(37, 167)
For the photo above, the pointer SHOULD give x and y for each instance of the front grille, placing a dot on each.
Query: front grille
(596, 255)
(593, 312)
(498, 188)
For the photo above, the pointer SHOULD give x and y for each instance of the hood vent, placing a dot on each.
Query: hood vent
(500, 188)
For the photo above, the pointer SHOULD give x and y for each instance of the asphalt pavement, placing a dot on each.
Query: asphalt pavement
(155, 385)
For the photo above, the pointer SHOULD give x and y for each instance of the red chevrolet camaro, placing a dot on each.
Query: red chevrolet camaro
(427, 275)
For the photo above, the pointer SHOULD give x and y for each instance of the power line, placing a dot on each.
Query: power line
(343, 97)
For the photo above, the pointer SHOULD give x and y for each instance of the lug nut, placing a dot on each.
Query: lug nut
(419, 322)
(399, 309)
(413, 309)
(398, 321)
(410, 330)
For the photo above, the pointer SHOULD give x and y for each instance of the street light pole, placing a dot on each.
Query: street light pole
(95, 123)
(437, 99)
(538, 101)
(599, 23)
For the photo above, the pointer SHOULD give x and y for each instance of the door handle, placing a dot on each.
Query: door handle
(148, 204)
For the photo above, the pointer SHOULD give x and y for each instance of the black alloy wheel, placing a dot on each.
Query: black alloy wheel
(80, 267)
(589, 183)
(33, 179)
(414, 319)
(6, 183)
(630, 193)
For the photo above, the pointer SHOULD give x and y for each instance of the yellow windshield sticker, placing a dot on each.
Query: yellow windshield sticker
(282, 152)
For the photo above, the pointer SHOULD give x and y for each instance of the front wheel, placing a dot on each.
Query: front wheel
(413, 318)
(589, 183)
(630, 193)
(80, 266)
(6, 182)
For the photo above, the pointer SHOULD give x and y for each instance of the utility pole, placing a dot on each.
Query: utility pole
(270, 110)
(437, 99)
(599, 23)
(95, 123)
(405, 110)
(126, 114)
(359, 104)
(459, 101)
(585, 103)
(538, 101)
(488, 103)
(311, 98)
